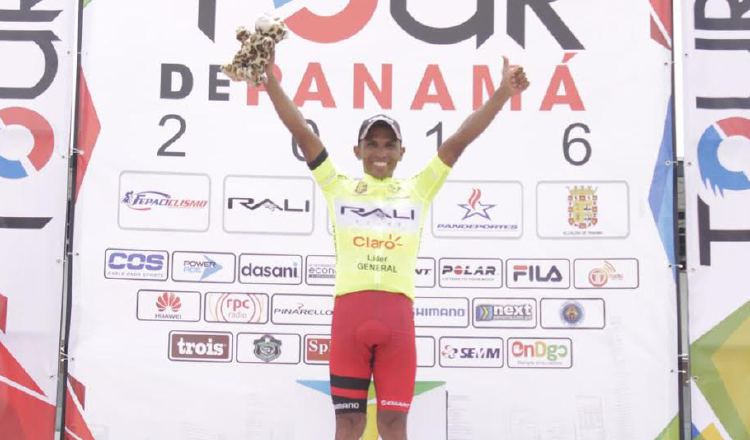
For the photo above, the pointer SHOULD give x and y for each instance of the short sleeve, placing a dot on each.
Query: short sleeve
(323, 171)
(428, 182)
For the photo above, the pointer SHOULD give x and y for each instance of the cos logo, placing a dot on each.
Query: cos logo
(15, 122)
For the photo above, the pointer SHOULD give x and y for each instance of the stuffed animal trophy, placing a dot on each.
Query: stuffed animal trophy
(249, 63)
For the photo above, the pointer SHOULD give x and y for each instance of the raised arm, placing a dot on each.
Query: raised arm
(514, 82)
(308, 141)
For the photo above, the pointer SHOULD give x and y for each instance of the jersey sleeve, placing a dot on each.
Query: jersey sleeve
(429, 181)
(324, 172)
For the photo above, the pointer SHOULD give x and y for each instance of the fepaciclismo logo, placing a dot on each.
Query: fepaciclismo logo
(725, 135)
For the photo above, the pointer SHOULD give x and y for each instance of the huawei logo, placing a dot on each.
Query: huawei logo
(168, 300)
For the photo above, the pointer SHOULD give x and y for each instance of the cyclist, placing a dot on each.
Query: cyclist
(377, 226)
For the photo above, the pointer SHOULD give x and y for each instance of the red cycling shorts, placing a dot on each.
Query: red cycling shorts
(372, 335)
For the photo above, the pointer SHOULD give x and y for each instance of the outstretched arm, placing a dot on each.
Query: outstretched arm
(514, 82)
(308, 141)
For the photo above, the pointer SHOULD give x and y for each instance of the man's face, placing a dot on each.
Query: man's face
(380, 151)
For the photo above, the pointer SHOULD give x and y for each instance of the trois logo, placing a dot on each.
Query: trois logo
(198, 346)
(270, 269)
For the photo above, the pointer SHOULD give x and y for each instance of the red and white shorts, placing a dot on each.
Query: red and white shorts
(372, 335)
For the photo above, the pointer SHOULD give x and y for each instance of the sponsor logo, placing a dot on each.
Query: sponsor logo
(540, 353)
(247, 308)
(463, 210)
(390, 243)
(540, 274)
(320, 270)
(504, 312)
(159, 305)
(147, 200)
(361, 187)
(518, 312)
(169, 300)
(203, 267)
(471, 273)
(582, 207)
(136, 264)
(302, 309)
(424, 272)
(441, 312)
(270, 269)
(198, 346)
(317, 349)
(401, 215)
(268, 205)
(571, 313)
(471, 352)
(617, 273)
(568, 313)
(475, 207)
(346, 405)
(164, 201)
(267, 348)
(384, 402)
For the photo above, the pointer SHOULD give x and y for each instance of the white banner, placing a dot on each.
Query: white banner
(717, 192)
(567, 181)
(38, 45)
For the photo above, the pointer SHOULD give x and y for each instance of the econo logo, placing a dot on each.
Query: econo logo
(389, 243)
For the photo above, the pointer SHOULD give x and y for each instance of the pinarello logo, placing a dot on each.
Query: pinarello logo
(43, 141)
(168, 300)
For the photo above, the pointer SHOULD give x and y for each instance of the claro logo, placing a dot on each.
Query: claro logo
(390, 243)
(202, 347)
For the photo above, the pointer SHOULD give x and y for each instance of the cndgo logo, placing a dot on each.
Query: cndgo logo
(21, 156)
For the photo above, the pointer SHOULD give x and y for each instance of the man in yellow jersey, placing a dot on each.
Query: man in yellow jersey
(377, 227)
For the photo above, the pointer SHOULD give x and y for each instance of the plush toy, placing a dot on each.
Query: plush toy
(249, 63)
